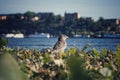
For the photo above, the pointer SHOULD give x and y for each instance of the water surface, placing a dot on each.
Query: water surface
(40, 43)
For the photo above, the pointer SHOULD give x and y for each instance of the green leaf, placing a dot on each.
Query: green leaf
(104, 51)
(117, 56)
(9, 69)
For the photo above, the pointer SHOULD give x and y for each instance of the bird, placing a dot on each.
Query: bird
(60, 45)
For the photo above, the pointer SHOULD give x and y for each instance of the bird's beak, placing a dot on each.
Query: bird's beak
(67, 37)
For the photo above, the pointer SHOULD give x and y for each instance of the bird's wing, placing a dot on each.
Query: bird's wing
(58, 45)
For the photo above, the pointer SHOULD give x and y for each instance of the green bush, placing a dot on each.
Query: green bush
(3, 41)
(74, 64)
(9, 69)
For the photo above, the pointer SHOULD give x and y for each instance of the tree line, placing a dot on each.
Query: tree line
(55, 25)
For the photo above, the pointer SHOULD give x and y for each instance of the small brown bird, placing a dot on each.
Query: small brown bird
(60, 45)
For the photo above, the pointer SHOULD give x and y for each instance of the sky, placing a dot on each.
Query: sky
(86, 8)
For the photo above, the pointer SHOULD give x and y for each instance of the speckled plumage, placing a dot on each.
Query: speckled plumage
(60, 45)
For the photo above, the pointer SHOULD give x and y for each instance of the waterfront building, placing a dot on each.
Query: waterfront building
(71, 16)
(44, 15)
(116, 21)
(3, 17)
(36, 18)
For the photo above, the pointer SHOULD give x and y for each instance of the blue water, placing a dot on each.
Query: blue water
(40, 43)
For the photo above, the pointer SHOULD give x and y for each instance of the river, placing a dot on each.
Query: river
(40, 43)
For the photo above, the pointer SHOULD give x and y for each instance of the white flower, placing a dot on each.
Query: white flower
(28, 61)
(37, 66)
(41, 57)
(53, 73)
(105, 71)
(59, 62)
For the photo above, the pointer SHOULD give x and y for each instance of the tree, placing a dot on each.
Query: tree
(3, 41)
(29, 14)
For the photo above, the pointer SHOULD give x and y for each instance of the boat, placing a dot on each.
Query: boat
(43, 35)
(111, 36)
(19, 35)
(97, 36)
(9, 35)
(77, 36)
(86, 36)
(81, 36)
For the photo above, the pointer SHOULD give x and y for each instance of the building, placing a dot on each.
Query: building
(89, 19)
(45, 15)
(116, 21)
(3, 17)
(36, 18)
(71, 16)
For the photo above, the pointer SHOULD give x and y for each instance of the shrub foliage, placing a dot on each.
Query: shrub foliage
(74, 64)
